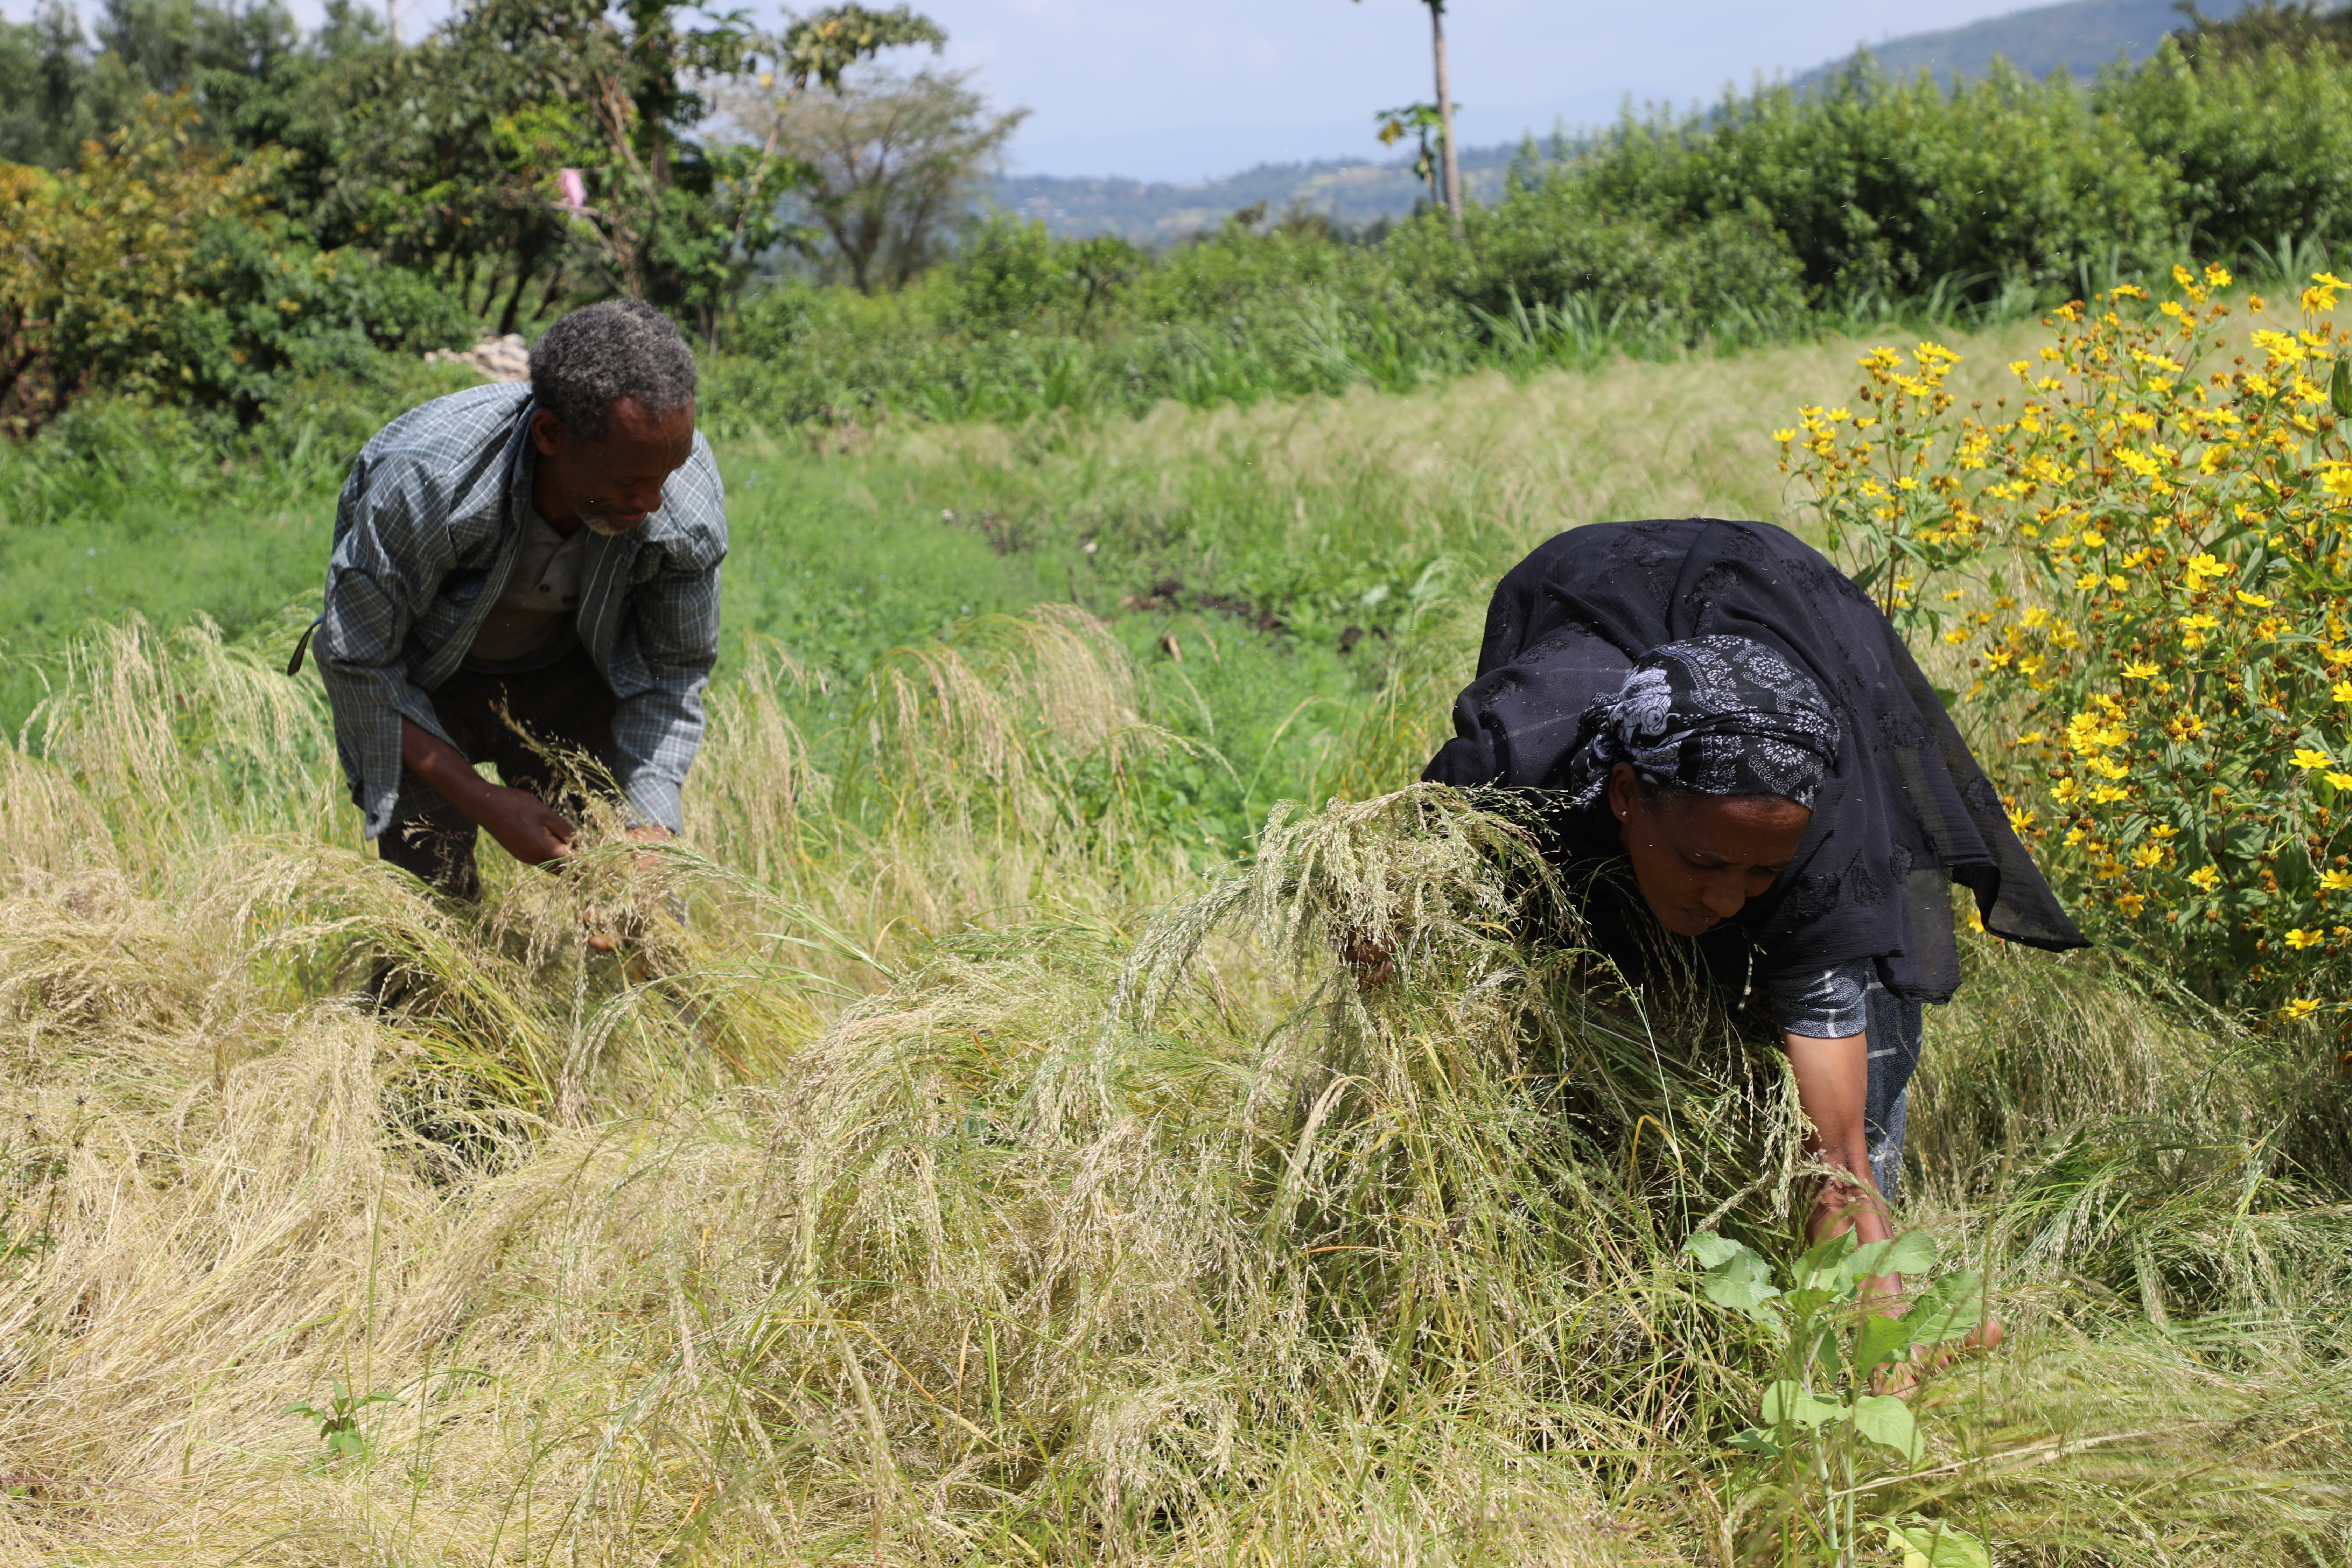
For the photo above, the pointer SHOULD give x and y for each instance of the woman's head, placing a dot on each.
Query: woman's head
(1710, 755)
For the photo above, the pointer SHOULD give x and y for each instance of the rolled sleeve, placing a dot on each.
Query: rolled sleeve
(1823, 1003)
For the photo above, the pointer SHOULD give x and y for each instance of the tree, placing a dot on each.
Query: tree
(460, 147)
(44, 72)
(1422, 120)
(1451, 161)
(891, 162)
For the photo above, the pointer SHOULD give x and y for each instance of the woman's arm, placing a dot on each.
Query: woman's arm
(1834, 1087)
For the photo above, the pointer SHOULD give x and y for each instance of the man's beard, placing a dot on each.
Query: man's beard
(605, 526)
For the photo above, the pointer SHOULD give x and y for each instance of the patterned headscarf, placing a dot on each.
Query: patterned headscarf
(1717, 715)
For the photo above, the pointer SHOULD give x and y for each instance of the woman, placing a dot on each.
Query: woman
(1736, 749)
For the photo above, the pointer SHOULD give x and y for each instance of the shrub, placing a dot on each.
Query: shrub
(2252, 152)
(1885, 189)
(1544, 244)
(152, 270)
(2157, 574)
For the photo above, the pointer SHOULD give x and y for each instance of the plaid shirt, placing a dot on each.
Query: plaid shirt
(427, 531)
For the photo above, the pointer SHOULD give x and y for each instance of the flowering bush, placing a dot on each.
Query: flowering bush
(2144, 555)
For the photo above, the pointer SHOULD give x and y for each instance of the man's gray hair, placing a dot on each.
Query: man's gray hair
(600, 353)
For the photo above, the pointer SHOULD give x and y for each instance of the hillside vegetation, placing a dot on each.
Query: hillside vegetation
(968, 1160)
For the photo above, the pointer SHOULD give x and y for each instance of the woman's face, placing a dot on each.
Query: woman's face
(1698, 857)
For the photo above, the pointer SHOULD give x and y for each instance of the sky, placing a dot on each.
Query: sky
(1177, 89)
(1184, 89)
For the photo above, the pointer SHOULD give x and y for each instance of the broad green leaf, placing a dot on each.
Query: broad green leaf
(1745, 1265)
(1787, 1401)
(1824, 1265)
(1947, 1309)
(1712, 1251)
(1911, 1254)
(1908, 1254)
(1811, 1299)
(1758, 1440)
(1881, 1340)
(1884, 1418)
(1938, 1546)
(1743, 1296)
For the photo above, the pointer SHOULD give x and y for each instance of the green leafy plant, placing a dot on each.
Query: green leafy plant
(339, 1420)
(1825, 1416)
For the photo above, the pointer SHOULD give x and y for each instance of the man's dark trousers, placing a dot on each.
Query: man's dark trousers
(565, 707)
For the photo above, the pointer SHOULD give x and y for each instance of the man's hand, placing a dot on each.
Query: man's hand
(603, 938)
(526, 827)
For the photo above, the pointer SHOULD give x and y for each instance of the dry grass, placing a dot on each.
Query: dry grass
(963, 1180)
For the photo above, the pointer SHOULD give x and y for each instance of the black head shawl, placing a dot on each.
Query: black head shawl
(1903, 810)
(1719, 715)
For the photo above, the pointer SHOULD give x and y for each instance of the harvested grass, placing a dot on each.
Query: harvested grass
(1056, 1236)
(952, 1172)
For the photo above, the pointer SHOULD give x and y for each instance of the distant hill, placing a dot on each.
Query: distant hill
(1149, 213)
(2082, 36)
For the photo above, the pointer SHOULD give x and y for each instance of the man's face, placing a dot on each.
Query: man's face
(612, 483)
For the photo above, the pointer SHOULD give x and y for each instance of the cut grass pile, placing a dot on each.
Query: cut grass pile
(965, 1164)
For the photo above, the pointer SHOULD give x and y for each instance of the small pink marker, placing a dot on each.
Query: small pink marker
(575, 188)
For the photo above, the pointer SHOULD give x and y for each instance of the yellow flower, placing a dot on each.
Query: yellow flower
(2088, 581)
(2149, 854)
(2337, 881)
(2301, 1007)
(2253, 601)
(2108, 794)
(2132, 904)
(2093, 539)
(2344, 691)
(2139, 669)
(2216, 277)
(2117, 583)
(2066, 789)
(2341, 781)
(2023, 821)
(2206, 877)
(2308, 760)
(2299, 939)
(1784, 437)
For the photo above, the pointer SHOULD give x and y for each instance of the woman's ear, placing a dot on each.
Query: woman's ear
(1624, 792)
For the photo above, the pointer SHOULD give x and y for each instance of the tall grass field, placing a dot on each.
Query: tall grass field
(977, 1152)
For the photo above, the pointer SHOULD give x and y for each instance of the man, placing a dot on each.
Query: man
(524, 576)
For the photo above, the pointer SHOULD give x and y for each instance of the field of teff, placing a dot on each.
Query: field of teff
(979, 1157)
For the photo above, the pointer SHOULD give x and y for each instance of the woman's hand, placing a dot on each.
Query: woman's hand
(1833, 1089)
